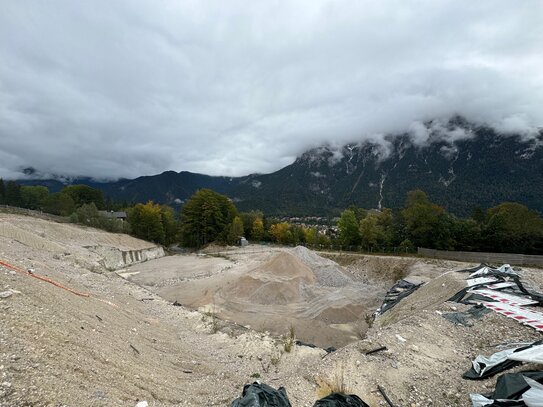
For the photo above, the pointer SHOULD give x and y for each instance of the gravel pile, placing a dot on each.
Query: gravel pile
(327, 272)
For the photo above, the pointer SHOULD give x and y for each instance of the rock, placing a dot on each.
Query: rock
(6, 294)
(142, 404)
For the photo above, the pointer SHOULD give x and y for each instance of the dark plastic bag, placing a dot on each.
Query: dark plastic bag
(262, 395)
(340, 400)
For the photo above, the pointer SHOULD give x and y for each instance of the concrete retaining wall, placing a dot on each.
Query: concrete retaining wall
(114, 259)
(483, 257)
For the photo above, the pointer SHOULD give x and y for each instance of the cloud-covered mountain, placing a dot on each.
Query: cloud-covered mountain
(460, 166)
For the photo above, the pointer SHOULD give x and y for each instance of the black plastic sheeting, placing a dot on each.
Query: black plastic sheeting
(472, 374)
(329, 349)
(510, 387)
(463, 318)
(340, 400)
(400, 290)
(262, 395)
(494, 370)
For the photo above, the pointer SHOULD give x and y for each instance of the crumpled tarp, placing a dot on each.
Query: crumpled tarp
(262, 395)
(502, 279)
(485, 269)
(463, 318)
(534, 396)
(484, 367)
(400, 290)
(533, 354)
(511, 389)
(340, 400)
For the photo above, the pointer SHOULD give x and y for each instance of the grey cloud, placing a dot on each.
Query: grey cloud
(122, 89)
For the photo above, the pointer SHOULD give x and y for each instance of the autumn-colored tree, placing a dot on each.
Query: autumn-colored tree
(257, 231)
(146, 222)
(248, 219)
(280, 232)
(311, 236)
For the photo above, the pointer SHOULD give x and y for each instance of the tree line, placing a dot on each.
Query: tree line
(209, 217)
(507, 227)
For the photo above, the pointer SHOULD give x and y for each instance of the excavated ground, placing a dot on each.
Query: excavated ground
(124, 343)
(269, 290)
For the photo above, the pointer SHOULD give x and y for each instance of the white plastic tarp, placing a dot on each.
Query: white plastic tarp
(530, 355)
(480, 280)
(483, 270)
(491, 361)
(505, 268)
(478, 400)
(534, 396)
(505, 284)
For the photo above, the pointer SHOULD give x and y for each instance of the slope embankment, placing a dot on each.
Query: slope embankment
(94, 248)
(123, 343)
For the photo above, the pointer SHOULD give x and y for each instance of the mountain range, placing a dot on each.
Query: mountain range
(458, 164)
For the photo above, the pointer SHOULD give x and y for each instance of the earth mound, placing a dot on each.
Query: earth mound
(327, 272)
(279, 281)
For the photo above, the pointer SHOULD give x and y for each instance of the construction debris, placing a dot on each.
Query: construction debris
(400, 290)
(262, 395)
(514, 390)
(340, 400)
(501, 291)
(463, 318)
(382, 348)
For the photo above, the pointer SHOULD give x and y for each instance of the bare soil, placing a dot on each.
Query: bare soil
(269, 290)
(125, 343)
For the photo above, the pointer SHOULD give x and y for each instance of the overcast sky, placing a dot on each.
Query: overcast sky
(110, 89)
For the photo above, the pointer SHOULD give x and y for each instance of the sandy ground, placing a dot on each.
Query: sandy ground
(268, 290)
(125, 343)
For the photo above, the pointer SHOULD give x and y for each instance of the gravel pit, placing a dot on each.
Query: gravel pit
(269, 290)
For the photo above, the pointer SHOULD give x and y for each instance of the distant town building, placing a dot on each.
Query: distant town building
(114, 215)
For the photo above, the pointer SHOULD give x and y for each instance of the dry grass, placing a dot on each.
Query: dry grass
(337, 384)
(289, 339)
